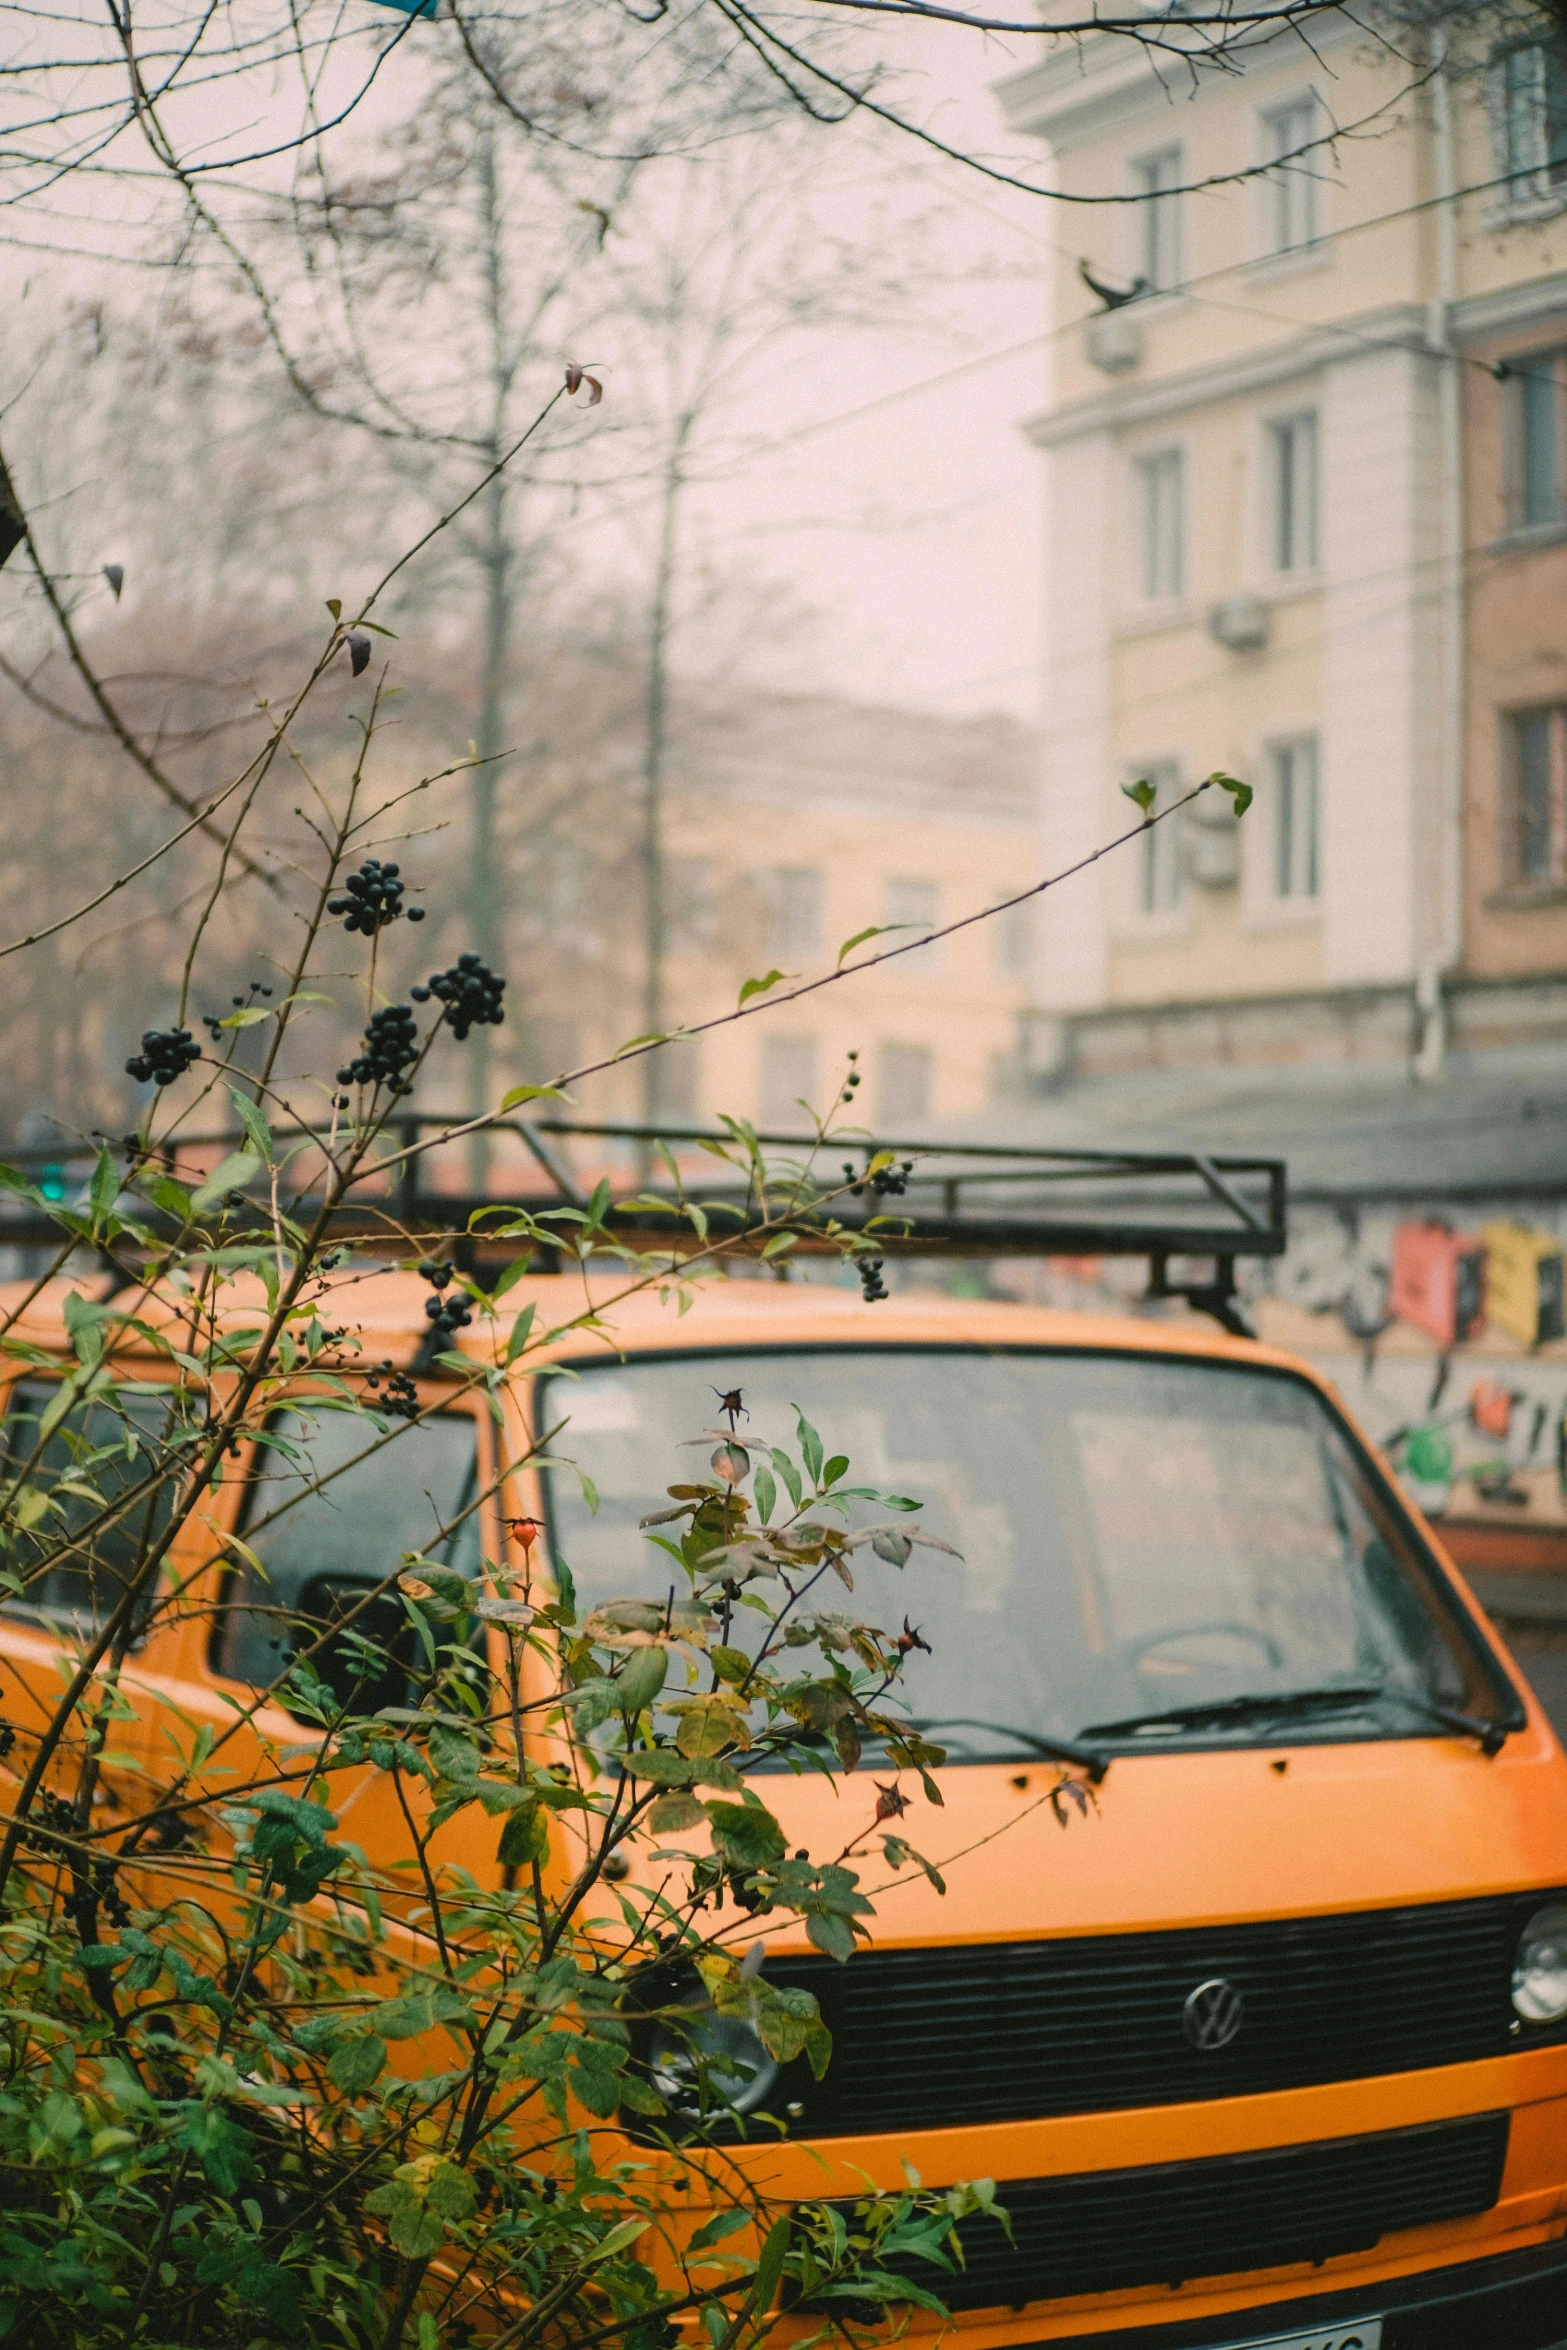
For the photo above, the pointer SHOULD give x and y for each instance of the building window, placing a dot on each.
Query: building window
(690, 904)
(908, 907)
(1296, 819)
(1531, 108)
(1290, 191)
(1159, 873)
(788, 1081)
(903, 1087)
(1535, 836)
(794, 905)
(1537, 399)
(1162, 497)
(1155, 179)
(1012, 937)
(1294, 450)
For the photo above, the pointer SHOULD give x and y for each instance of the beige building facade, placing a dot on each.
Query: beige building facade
(1285, 539)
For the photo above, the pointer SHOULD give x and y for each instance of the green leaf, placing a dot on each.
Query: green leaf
(405, 2018)
(165, 1193)
(519, 1331)
(525, 1837)
(745, 1834)
(334, 605)
(875, 930)
(673, 1812)
(810, 1445)
(451, 2193)
(832, 1934)
(253, 1119)
(621, 2238)
(250, 1017)
(1241, 794)
(790, 1475)
(770, 2267)
(722, 2224)
(534, 1093)
(358, 2064)
(105, 1185)
(779, 1243)
(237, 1171)
(766, 1493)
(1142, 795)
(760, 986)
(660, 1764)
(641, 1678)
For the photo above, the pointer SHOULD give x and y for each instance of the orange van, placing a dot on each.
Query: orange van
(1270, 2047)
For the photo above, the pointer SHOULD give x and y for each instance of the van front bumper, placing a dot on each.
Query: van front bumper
(1514, 2301)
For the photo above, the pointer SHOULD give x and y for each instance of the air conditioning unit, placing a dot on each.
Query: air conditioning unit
(1240, 623)
(1114, 341)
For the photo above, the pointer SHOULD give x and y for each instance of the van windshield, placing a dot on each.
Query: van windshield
(1142, 1539)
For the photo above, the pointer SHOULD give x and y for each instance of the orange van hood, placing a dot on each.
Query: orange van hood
(1198, 1839)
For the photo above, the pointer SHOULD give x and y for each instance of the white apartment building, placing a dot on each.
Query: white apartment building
(1256, 552)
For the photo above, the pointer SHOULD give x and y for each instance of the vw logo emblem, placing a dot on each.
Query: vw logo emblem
(1212, 2014)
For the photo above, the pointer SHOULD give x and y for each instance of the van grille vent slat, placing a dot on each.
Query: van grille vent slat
(1110, 2231)
(938, 2037)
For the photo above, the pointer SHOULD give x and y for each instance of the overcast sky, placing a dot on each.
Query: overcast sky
(877, 476)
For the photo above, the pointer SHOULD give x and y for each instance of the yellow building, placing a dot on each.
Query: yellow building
(1257, 551)
(806, 820)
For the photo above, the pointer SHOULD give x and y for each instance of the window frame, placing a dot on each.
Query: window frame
(1524, 410)
(1287, 436)
(923, 961)
(1160, 245)
(1159, 900)
(888, 1115)
(1161, 525)
(1510, 809)
(34, 1615)
(794, 930)
(1390, 1495)
(1287, 834)
(1288, 191)
(800, 1037)
(1535, 177)
(231, 1565)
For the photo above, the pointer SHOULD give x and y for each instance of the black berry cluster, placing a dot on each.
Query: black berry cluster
(166, 1053)
(447, 1314)
(372, 898)
(401, 1399)
(471, 992)
(851, 1081)
(886, 1182)
(391, 1042)
(871, 1282)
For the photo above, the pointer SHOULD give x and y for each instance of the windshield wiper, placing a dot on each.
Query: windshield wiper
(1052, 1749)
(1255, 1706)
(1493, 1736)
(1337, 1697)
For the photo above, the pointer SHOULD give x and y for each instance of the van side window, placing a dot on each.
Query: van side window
(329, 1512)
(114, 1450)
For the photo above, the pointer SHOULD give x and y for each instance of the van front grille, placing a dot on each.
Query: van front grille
(1110, 2231)
(935, 2038)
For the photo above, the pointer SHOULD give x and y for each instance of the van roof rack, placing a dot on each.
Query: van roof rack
(1191, 1216)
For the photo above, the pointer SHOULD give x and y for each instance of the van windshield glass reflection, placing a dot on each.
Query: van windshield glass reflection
(1139, 1536)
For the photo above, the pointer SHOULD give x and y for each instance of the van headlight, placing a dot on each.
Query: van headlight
(1540, 1967)
(720, 2052)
